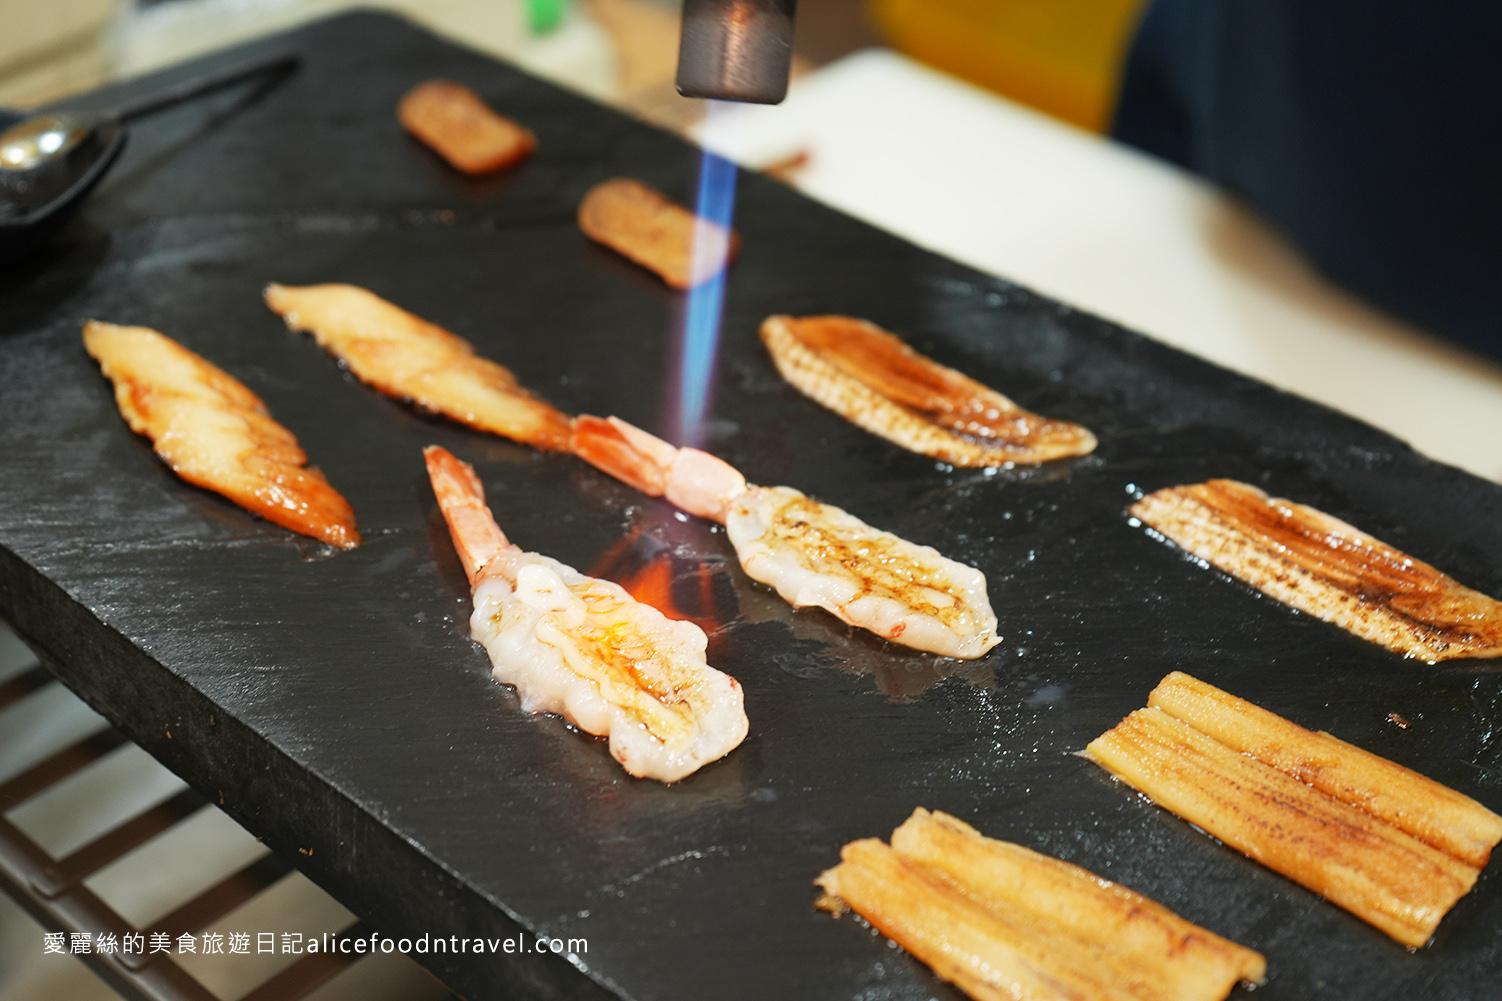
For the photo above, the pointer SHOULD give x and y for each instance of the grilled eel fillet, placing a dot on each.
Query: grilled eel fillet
(407, 357)
(1002, 922)
(215, 433)
(1327, 568)
(1389, 845)
(875, 381)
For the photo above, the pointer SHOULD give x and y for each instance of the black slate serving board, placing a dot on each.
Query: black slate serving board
(333, 703)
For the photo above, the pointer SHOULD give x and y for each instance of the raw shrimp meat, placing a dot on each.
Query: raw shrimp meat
(873, 379)
(1322, 566)
(585, 649)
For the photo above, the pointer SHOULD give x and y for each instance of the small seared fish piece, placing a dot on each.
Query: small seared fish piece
(1320, 565)
(811, 553)
(215, 433)
(585, 649)
(656, 232)
(875, 381)
(456, 124)
(1004, 923)
(1394, 848)
(411, 359)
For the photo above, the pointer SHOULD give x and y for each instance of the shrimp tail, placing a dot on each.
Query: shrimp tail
(461, 498)
(695, 481)
(600, 443)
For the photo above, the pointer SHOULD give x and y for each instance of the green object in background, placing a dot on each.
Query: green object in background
(545, 15)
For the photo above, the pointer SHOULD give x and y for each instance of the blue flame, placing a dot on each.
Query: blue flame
(700, 341)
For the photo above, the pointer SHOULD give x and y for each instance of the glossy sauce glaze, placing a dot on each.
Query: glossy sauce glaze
(1327, 568)
(874, 380)
(215, 433)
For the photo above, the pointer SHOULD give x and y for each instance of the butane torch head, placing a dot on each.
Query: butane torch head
(736, 50)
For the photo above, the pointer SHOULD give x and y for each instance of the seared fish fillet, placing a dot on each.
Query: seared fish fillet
(453, 121)
(215, 433)
(1387, 844)
(817, 554)
(585, 649)
(1327, 568)
(656, 232)
(877, 382)
(1004, 923)
(407, 357)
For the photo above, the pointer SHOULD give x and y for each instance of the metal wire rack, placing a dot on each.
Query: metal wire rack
(53, 890)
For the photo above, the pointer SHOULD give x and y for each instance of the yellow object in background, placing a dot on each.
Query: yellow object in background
(1061, 56)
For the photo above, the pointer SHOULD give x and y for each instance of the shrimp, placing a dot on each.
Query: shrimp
(585, 649)
(810, 553)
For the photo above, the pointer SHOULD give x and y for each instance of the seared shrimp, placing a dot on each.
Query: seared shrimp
(585, 649)
(810, 553)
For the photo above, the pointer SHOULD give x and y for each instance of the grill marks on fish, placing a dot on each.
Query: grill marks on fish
(1327, 568)
(405, 356)
(877, 382)
(215, 433)
(1003, 922)
(817, 554)
(880, 562)
(1433, 813)
(1391, 846)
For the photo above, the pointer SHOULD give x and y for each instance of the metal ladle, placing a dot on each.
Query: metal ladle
(48, 162)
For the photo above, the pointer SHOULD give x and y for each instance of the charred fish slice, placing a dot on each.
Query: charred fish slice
(1327, 568)
(1003, 922)
(460, 127)
(411, 359)
(585, 649)
(215, 433)
(1387, 844)
(644, 225)
(811, 553)
(877, 382)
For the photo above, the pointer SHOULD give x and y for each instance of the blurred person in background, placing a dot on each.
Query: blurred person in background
(1369, 130)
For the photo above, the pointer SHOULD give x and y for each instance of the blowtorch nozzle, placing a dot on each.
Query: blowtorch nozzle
(736, 50)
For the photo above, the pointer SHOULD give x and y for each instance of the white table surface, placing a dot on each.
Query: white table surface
(1096, 224)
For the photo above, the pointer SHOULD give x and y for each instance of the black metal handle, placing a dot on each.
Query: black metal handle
(279, 63)
(736, 50)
